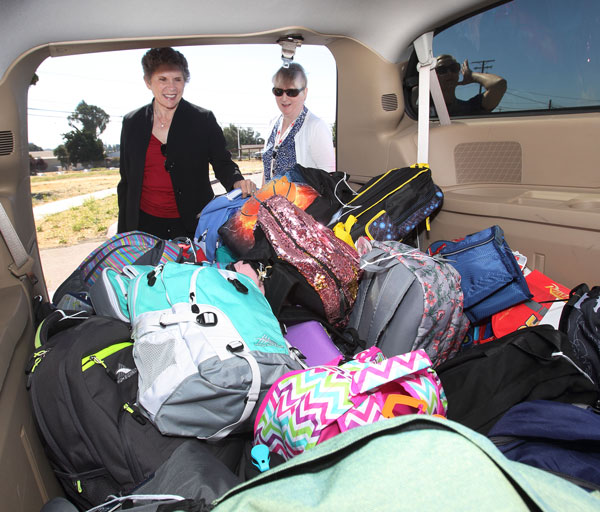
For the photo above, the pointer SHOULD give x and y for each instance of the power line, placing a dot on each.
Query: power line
(484, 67)
(556, 96)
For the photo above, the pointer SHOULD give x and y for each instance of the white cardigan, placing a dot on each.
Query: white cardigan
(314, 143)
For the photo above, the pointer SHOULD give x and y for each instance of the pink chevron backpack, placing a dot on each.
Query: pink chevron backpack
(305, 407)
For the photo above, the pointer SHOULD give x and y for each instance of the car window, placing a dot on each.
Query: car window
(234, 81)
(544, 52)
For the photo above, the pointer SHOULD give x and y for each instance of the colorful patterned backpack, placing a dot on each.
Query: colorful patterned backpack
(130, 248)
(306, 407)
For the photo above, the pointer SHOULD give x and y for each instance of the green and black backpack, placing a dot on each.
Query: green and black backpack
(83, 384)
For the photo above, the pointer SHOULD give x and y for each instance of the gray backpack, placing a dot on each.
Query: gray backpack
(408, 300)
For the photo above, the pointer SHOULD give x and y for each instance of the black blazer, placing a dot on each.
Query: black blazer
(194, 140)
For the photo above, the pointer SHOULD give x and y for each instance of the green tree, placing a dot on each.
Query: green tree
(34, 147)
(247, 136)
(89, 118)
(82, 144)
(63, 156)
(83, 147)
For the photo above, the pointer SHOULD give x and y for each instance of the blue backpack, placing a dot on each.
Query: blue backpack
(212, 217)
(491, 279)
(558, 437)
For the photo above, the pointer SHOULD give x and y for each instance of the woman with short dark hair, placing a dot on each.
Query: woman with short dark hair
(297, 135)
(166, 147)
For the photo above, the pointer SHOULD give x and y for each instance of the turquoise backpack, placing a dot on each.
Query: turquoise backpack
(410, 463)
(207, 348)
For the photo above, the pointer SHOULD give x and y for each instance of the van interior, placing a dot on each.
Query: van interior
(529, 167)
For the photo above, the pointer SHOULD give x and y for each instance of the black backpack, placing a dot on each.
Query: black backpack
(83, 385)
(580, 321)
(536, 363)
(390, 206)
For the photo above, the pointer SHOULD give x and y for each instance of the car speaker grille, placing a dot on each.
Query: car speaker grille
(7, 143)
(389, 102)
(488, 162)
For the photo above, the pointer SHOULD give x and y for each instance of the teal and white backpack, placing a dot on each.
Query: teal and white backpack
(207, 347)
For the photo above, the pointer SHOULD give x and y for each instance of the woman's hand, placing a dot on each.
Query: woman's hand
(466, 73)
(246, 186)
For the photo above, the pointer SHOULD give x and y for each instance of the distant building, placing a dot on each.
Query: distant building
(48, 157)
(53, 164)
(251, 151)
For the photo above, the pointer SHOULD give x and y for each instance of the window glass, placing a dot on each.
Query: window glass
(546, 51)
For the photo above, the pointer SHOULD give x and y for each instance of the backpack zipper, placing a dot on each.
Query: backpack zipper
(98, 358)
(445, 254)
(423, 170)
(343, 303)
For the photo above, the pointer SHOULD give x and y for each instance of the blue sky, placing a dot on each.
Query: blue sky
(232, 81)
(546, 50)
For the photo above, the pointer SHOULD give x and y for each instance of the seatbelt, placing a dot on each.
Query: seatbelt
(428, 84)
(23, 263)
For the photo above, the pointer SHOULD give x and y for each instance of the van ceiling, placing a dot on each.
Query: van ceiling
(385, 26)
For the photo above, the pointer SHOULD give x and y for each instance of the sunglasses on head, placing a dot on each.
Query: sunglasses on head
(292, 93)
(452, 68)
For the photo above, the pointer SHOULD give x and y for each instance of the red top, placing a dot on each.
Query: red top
(158, 198)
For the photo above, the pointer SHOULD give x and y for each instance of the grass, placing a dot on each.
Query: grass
(89, 221)
(54, 186)
(92, 219)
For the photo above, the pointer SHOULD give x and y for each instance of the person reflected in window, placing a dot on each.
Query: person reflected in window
(448, 71)
(297, 135)
(166, 147)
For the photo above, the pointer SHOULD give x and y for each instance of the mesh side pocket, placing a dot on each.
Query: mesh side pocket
(155, 356)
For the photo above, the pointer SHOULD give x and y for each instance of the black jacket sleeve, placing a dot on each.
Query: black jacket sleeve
(122, 186)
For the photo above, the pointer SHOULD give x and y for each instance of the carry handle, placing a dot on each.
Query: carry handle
(397, 399)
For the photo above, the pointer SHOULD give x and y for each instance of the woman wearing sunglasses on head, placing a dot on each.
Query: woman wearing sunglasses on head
(297, 135)
(448, 70)
(166, 147)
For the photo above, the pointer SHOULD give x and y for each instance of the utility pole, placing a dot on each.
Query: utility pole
(239, 147)
(484, 67)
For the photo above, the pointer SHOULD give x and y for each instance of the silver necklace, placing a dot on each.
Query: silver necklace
(162, 125)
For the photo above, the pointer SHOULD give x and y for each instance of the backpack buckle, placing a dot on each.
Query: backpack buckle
(207, 319)
(235, 346)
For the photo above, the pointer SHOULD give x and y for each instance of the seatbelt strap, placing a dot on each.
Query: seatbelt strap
(23, 263)
(428, 84)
